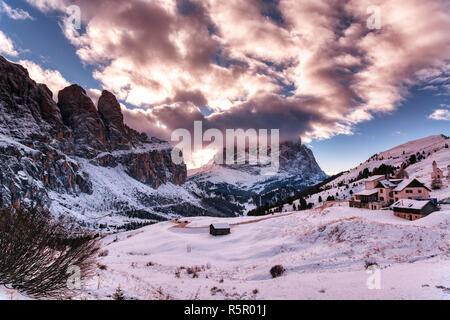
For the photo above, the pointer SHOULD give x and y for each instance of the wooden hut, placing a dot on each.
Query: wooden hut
(219, 229)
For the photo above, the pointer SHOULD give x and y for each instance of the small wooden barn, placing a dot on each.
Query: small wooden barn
(219, 229)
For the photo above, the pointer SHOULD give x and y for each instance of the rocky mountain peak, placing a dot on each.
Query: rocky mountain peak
(45, 146)
(79, 113)
(111, 113)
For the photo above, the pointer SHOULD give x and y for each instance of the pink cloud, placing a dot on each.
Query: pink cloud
(315, 72)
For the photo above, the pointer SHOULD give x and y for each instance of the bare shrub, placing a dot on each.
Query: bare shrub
(102, 267)
(37, 252)
(193, 271)
(277, 271)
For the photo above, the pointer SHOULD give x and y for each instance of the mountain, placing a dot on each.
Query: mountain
(241, 187)
(81, 160)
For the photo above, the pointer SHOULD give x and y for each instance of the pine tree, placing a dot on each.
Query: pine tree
(118, 295)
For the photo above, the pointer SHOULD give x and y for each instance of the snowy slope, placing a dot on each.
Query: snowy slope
(433, 145)
(398, 155)
(324, 253)
(118, 199)
(8, 294)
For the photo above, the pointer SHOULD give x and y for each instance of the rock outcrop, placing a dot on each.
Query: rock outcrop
(42, 142)
(80, 115)
(109, 109)
(235, 188)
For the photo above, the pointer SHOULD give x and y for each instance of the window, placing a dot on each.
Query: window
(420, 191)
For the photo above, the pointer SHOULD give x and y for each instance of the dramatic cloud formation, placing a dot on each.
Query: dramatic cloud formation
(7, 46)
(311, 68)
(16, 14)
(52, 78)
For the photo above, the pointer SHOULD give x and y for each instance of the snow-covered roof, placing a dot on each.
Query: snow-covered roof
(405, 183)
(411, 204)
(220, 226)
(374, 178)
(387, 184)
(367, 192)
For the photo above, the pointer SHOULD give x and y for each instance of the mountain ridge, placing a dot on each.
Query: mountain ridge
(81, 160)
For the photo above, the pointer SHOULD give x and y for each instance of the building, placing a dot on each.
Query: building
(386, 190)
(381, 192)
(367, 199)
(219, 229)
(413, 209)
(410, 189)
(437, 175)
(371, 182)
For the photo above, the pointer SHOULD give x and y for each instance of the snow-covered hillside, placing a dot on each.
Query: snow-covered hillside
(324, 252)
(397, 156)
(433, 148)
(119, 200)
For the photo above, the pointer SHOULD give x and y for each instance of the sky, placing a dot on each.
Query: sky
(348, 78)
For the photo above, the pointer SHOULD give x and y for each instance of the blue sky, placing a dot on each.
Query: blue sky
(42, 41)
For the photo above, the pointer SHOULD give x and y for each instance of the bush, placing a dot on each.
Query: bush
(37, 253)
(277, 271)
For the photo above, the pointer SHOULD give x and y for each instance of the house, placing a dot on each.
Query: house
(385, 190)
(410, 189)
(370, 183)
(381, 192)
(219, 229)
(413, 209)
(365, 199)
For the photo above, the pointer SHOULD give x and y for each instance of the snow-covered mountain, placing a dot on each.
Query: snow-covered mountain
(83, 162)
(240, 187)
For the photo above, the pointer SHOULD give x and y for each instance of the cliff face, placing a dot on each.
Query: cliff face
(42, 143)
(239, 187)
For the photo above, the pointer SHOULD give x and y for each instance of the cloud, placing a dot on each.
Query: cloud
(7, 46)
(15, 14)
(440, 114)
(48, 5)
(94, 94)
(311, 68)
(52, 78)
